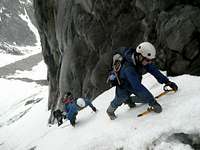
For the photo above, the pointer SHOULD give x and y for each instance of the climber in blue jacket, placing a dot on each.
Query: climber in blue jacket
(76, 105)
(133, 63)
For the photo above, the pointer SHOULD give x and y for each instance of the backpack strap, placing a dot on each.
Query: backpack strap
(116, 68)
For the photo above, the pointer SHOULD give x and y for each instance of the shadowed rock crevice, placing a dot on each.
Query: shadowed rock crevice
(191, 140)
(41, 82)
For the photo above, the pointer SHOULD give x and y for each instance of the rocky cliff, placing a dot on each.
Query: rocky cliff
(13, 29)
(78, 37)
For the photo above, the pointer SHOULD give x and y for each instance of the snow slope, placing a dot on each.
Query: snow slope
(94, 131)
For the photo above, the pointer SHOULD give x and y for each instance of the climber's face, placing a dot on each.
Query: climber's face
(144, 61)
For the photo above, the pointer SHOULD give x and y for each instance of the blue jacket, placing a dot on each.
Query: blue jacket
(72, 108)
(131, 76)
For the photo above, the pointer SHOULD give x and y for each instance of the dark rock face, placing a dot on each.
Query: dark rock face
(178, 33)
(13, 29)
(78, 37)
(191, 140)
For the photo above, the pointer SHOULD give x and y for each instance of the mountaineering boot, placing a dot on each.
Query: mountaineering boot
(110, 111)
(73, 120)
(130, 103)
(156, 107)
(73, 123)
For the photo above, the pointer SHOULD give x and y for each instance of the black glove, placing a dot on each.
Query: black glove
(172, 85)
(94, 109)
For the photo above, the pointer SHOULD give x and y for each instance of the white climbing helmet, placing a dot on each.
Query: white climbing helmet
(147, 50)
(80, 102)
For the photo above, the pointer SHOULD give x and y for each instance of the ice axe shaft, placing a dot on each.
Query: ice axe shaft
(166, 90)
(163, 93)
(151, 109)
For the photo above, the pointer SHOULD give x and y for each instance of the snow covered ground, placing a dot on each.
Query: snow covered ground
(24, 117)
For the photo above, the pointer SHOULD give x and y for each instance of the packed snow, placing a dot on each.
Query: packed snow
(24, 118)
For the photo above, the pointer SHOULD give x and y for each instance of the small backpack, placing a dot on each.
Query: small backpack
(113, 77)
(118, 59)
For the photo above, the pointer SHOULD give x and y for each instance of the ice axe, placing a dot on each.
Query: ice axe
(166, 89)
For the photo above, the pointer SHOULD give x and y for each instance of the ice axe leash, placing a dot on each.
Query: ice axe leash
(116, 68)
(150, 109)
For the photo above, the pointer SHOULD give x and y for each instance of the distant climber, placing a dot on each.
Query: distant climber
(59, 116)
(73, 106)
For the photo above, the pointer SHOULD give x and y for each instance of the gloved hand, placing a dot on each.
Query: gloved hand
(172, 85)
(94, 109)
